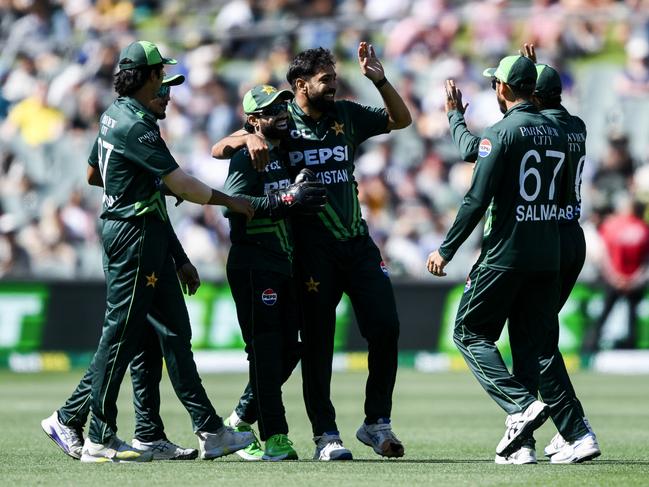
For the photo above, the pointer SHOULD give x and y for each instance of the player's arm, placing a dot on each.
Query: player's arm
(486, 177)
(187, 273)
(256, 145)
(398, 114)
(243, 181)
(466, 142)
(93, 174)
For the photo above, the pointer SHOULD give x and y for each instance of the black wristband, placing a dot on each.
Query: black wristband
(379, 84)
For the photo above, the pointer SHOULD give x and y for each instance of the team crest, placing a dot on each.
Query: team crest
(484, 149)
(269, 297)
(467, 285)
(384, 269)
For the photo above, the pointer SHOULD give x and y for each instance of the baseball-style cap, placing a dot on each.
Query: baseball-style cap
(517, 71)
(548, 81)
(262, 96)
(175, 80)
(142, 53)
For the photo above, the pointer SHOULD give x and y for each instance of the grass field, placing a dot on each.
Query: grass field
(447, 423)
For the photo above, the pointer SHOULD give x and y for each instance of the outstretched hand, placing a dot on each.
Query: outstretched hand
(529, 52)
(370, 65)
(454, 98)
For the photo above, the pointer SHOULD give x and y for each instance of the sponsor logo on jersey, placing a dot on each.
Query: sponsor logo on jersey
(384, 269)
(281, 184)
(312, 157)
(269, 297)
(467, 284)
(150, 137)
(484, 149)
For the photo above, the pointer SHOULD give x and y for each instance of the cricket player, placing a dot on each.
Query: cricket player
(556, 388)
(65, 426)
(259, 267)
(140, 275)
(334, 252)
(518, 181)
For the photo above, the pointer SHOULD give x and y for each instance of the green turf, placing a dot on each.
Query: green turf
(447, 423)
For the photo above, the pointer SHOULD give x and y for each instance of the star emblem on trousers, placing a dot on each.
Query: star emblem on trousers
(339, 128)
(312, 285)
(151, 280)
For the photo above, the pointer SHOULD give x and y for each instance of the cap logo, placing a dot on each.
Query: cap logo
(484, 149)
(268, 89)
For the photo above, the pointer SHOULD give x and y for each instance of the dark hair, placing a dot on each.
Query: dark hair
(308, 63)
(128, 81)
(552, 101)
(523, 91)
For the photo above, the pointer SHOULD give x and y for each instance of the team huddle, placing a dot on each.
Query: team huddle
(299, 242)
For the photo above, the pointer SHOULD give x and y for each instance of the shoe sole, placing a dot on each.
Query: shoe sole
(393, 450)
(247, 456)
(524, 432)
(589, 456)
(280, 458)
(53, 436)
(186, 456)
(225, 451)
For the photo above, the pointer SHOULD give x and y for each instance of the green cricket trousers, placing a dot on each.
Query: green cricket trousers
(529, 300)
(140, 281)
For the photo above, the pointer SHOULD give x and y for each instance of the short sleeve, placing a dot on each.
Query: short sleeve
(366, 121)
(93, 158)
(145, 147)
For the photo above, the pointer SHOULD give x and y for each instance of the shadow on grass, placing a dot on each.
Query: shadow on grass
(455, 461)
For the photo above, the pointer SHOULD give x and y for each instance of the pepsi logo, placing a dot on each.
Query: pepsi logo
(467, 285)
(384, 268)
(269, 297)
(484, 149)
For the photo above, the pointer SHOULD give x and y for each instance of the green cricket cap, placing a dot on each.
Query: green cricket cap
(517, 71)
(548, 81)
(175, 80)
(142, 53)
(262, 96)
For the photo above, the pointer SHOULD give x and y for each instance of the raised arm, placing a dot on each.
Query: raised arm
(466, 142)
(398, 113)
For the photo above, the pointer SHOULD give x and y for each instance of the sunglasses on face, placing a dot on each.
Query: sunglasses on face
(273, 110)
(163, 92)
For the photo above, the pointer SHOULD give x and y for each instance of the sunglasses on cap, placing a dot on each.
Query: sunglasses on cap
(163, 92)
(273, 110)
(494, 81)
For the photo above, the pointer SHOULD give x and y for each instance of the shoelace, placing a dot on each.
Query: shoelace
(284, 441)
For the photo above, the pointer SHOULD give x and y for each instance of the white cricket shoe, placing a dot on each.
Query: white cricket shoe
(381, 438)
(165, 450)
(223, 442)
(70, 440)
(114, 450)
(329, 447)
(581, 450)
(520, 426)
(523, 456)
(558, 442)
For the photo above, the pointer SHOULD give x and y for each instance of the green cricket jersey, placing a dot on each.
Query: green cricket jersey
(575, 130)
(518, 177)
(328, 147)
(261, 243)
(132, 158)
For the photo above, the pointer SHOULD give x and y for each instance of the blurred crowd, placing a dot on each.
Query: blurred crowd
(57, 58)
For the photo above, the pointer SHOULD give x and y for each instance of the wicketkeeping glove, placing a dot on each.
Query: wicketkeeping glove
(305, 196)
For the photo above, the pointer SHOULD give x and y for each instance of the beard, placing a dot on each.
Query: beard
(272, 132)
(319, 102)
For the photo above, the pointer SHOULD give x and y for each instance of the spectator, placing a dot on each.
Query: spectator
(624, 269)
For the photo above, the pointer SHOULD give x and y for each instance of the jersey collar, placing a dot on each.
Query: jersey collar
(141, 108)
